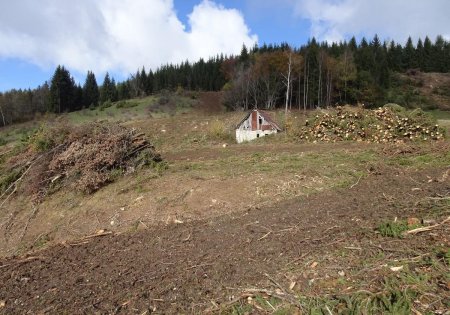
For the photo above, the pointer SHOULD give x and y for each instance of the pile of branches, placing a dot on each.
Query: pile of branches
(85, 157)
(388, 124)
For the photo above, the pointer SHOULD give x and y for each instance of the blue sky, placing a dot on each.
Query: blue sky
(121, 36)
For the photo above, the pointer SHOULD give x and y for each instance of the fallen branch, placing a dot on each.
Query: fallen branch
(23, 261)
(276, 283)
(426, 228)
(23, 174)
(32, 215)
(198, 266)
(85, 240)
(292, 299)
(356, 182)
(264, 236)
(98, 234)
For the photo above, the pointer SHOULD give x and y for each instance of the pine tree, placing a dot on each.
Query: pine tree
(409, 55)
(108, 91)
(427, 53)
(437, 57)
(61, 91)
(123, 90)
(77, 97)
(420, 54)
(244, 57)
(90, 90)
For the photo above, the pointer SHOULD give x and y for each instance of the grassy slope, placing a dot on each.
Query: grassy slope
(202, 171)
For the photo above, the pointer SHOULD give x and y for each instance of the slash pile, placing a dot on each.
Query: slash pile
(388, 124)
(85, 158)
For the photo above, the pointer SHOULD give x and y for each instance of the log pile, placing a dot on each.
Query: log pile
(382, 125)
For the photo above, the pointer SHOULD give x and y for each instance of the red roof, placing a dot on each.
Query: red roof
(266, 117)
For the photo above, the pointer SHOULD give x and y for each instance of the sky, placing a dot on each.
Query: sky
(120, 36)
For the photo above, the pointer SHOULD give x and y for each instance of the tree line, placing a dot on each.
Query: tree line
(269, 76)
(322, 74)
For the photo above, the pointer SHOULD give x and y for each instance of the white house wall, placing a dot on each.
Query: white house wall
(249, 135)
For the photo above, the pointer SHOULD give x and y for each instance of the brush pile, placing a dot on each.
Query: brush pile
(84, 158)
(388, 124)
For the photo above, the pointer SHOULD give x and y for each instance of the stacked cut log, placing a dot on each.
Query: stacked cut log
(382, 125)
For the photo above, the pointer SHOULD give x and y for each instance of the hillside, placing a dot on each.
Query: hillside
(435, 87)
(275, 225)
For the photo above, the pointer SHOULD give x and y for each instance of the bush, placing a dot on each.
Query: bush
(218, 131)
(126, 104)
(163, 100)
(8, 179)
(3, 141)
(105, 105)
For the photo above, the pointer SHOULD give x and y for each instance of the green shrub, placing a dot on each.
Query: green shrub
(105, 105)
(9, 178)
(126, 104)
(394, 229)
(46, 137)
(3, 141)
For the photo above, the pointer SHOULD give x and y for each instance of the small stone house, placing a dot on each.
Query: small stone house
(254, 125)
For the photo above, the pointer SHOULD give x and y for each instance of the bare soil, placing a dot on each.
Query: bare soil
(197, 266)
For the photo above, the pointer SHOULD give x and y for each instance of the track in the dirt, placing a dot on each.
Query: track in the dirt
(181, 268)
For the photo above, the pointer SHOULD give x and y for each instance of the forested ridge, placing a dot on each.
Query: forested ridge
(269, 76)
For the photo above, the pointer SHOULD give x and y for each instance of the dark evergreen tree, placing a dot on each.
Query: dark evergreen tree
(62, 87)
(77, 97)
(108, 91)
(420, 54)
(90, 90)
(409, 59)
(427, 52)
(123, 90)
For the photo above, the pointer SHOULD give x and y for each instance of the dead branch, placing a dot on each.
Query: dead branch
(23, 174)
(197, 266)
(264, 236)
(23, 261)
(426, 228)
(86, 239)
(356, 182)
(31, 216)
(276, 283)
(293, 299)
(98, 234)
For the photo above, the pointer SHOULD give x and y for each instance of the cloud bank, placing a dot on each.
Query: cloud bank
(111, 35)
(335, 20)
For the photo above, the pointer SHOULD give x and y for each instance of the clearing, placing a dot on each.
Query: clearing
(272, 226)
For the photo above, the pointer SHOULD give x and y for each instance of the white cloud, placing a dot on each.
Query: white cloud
(335, 20)
(111, 35)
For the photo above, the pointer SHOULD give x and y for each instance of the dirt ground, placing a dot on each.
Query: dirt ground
(271, 226)
(195, 267)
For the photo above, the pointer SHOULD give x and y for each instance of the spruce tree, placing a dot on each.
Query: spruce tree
(108, 91)
(427, 53)
(90, 90)
(61, 91)
(420, 54)
(408, 55)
